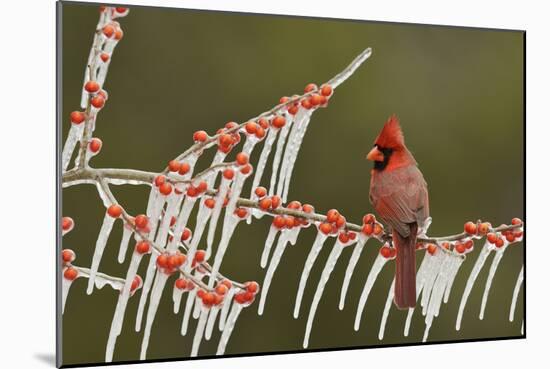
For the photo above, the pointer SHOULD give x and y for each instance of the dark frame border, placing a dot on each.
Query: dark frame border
(59, 109)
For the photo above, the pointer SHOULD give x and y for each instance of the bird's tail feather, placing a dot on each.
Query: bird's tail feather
(405, 269)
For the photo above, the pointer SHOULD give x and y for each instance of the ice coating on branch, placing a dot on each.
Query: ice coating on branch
(386, 311)
(279, 152)
(268, 244)
(351, 267)
(346, 73)
(211, 322)
(517, 287)
(65, 287)
(156, 293)
(220, 198)
(311, 257)
(104, 232)
(377, 266)
(225, 308)
(266, 150)
(199, 331)
(325, 275)
(485, 251)
(302, 124)
(275, 259)
(118, 317)
(499, 252)
(75, 134)
(229, 326)
(126, 234)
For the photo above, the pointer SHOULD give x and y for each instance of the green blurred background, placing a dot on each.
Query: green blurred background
(458, 92)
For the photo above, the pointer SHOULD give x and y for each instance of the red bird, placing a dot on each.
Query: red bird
(399, 195)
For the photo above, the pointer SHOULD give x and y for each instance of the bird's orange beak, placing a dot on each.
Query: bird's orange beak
(375, 154)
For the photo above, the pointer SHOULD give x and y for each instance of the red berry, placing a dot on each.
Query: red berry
(241, 212)
(499, 243)
(470, 228)
(181, 283)
(265, 203)
(246, 169)
(343, 237)
(251, 128)
(260, 191)
(310, 87)
(252, 287)
(225, 140)
(118, 34)
(141, 221)
(200, 136)
(283, 99)
(68, 256)
(340, 221)
(221, 289)
(200, 255)
(293, 110)
(369, 218)
(184, 168)
(260, 133)
(263, 123)
(92, 86)
(289, 221)
(469, 244)
(460, 248)
(67, 223)
(97, 101)
(104, 57)
(326, 228)
(432, 249)
(352, 235)
(159, 180)
(242, 158)
(278, 121)
(516, 221)
(136, 283)
(326, 90)
(120, 9)
(227, 283)
(162, 261)
(228, 173)
(492, 237)
(186, 234)
(174, 165)
(165, 189)
(70, 273)
(210, 203)
(306, 104)
(294, 205)
(385, 251)
(332, 215)
(203, 186)
(378, 229)
(510, 237)
(307, 208)
(192, 191)
(95, 145)
(143, 247)
(483, 228)
(368, 229)
(279, 221)
(109, 31)
(315, 99)
(77, 117)
(275, 202)
(114, 211)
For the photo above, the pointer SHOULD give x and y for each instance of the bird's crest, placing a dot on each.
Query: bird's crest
(391, 136)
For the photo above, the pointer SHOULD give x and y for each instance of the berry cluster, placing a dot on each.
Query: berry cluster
(184, 284)
(334, 222)
(215, 297)
(371, 226)
(169, 262)
(247, 296)
(67, 257)
(288, 221)
(388, 252)
(315, 97)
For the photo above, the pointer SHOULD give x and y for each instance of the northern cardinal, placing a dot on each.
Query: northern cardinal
(399, 195)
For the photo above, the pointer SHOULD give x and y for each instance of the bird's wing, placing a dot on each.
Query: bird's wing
(400, 197)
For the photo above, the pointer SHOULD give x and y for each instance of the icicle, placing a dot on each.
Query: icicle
(220, 199)
(519, 282)
(225, 308)
(202, 219)
(485, 251)
(230, 223)
(118, 317)
(147, 283)
(188, 307)
(181, 222)
(288, 151)
(386, 312)
(172, 205)
(65, 287)
(351, 267)
(494, 265)
(346, 73)
(211, 322)
(425, 265)
(152, 200)
(431, 275)
(276, 258)
(268, 243)
(199, 332)
(229, 326)
(104, 232)
(436, 294)
(457, 263)
(377, 266)
(176, 298)
(75, 134)
(311, 257)
(126, 234)
(197, 308)
(266, 150)
(299, 139)
(325, 275)
(156, 294)
(277, 157)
